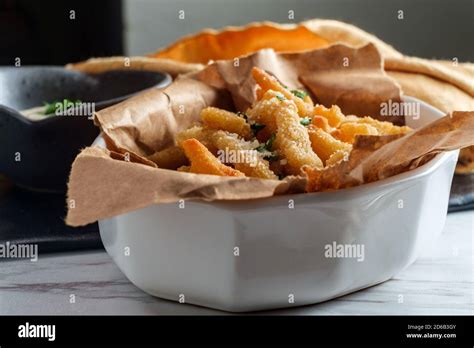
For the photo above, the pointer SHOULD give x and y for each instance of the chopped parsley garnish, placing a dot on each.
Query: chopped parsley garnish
(267, 147)
(280, 97)
(256, 127)
(261, 148)
(305, 121)
(299, 93)
(50, 108)
(273, 157)
(242, 114)
(269, 142)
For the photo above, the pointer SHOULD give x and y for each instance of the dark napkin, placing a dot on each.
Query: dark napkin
(33, 217)
(462, 193)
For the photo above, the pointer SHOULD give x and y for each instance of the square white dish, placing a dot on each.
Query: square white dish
(263, 254)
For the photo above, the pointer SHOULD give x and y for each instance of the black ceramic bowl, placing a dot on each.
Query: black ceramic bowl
(38, 154)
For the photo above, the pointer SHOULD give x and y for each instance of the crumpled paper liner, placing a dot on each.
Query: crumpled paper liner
(101, 187)
(103, 183)
(147, 123)
(446, 85)
(378, 157)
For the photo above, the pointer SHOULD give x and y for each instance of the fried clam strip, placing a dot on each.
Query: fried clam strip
(245, 158)
(340, 126)
(216, 140)
(204, 162)
(292, 139)
(263, 112)
(337, 157)
(222, 119)
(351, 172)
(325, 145)
(345, 128)
(267, 82)
(321, 122)
(383, 127)
(172, 157)
(347, 131)
(333, 114)
(203, 135)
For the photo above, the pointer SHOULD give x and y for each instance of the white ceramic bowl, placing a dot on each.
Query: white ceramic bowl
(190, 254)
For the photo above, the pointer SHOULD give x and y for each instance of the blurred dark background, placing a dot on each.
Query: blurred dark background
(47, 32)
(42, 32)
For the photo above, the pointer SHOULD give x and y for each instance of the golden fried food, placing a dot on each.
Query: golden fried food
(172, 157)
(333, 114)
(263, 113)
(204, 162)
(307, 99)
(321, 122)
(249, 161)
(283, 133)
(348, 131)
(292, 139)
(259, 92)
(203, 135)
(324, 144)
(268, 82)
(221, 119)
(336, 157)
(219, 142)
(383, 127)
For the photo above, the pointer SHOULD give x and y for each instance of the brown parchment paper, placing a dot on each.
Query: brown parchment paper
(147, 123)
(102, 184)
(378, 157)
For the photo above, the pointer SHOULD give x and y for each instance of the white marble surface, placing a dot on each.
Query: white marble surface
(441, 281)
